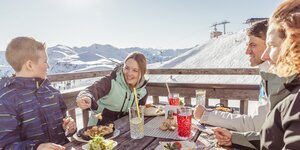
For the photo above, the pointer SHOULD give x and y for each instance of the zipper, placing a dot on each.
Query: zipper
(119, 115)
(267, 93)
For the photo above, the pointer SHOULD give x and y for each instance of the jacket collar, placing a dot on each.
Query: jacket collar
(120, 77)
(22, 82)
(277, 88)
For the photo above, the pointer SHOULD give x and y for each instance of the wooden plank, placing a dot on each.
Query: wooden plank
(224, 102)
(243, 107)
(235, 94)
(70, 98)
(203, 86)
(124, 140)
(206, 101)
(155, 99)
(79, 75)
(85, 117)
(198, 71)
(72, 113)
(188, 101)
(206, 71)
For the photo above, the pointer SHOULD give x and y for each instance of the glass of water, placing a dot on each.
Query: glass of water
(136, 119)
(200, 97)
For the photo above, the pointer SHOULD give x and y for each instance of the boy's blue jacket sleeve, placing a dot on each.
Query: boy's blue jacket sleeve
(8, 129)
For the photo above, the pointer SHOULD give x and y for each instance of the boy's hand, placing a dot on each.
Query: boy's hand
(69, 125)
(50, 146)
(223, 136)
(83, 102)
(199, 110)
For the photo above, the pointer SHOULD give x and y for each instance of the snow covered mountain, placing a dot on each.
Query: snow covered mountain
(227, 51)
(95, 57)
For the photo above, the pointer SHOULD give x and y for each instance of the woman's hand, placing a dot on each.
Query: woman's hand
(223, 136)
(83, 102)
(199, 110)
(69, 125)
(50, 146)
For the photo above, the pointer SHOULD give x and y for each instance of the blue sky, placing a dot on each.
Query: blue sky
(125, 23)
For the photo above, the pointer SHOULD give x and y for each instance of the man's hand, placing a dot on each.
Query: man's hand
(223, 136)
(69, 125)
(83, 102)
(199, 110)
(50, 146)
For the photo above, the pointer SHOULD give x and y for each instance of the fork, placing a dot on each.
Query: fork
(94, 111)
(67, 127)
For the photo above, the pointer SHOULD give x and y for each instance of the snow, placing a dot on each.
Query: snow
(227, 51)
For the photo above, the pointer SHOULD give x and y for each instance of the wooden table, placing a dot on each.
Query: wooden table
(124, 140)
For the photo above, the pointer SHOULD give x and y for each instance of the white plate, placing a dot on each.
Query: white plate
(87, 147)
(116, 133)
(186, 145)
(152, 111)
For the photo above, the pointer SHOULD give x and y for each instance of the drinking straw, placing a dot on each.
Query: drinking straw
(137, 107)
(136, 102)
(168, 89)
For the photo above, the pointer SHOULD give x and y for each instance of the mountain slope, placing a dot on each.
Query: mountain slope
(95, 57)
(227, 51)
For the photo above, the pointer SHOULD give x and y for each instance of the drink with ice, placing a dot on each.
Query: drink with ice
(184, 120)
(136, 122)
(200, 97)
(137, 128)
(174, 99)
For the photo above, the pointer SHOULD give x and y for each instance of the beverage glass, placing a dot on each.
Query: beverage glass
(174, 99)
(184, 121)
(136, 122)
(200, 97)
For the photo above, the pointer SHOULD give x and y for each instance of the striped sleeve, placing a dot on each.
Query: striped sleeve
(9, 128)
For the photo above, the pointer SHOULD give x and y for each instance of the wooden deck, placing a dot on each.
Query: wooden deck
(224, 92)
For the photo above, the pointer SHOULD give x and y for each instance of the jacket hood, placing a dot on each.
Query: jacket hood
(118, 71)
(4, 81)
(22, 82)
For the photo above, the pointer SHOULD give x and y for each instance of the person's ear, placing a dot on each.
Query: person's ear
(29, 65)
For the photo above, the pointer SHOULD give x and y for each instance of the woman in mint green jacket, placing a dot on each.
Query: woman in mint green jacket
(113, 94)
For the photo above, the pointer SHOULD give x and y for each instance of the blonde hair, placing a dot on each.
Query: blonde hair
(287, 19)
(22, 49)
(140, 59)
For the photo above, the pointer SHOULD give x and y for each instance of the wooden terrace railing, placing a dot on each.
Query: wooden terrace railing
(224, 92)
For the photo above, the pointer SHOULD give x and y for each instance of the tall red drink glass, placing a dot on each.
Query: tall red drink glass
(184, 121)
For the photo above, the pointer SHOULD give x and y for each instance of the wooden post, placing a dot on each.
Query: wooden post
(224, 102)
(188, 101)
(155, 99)
(206, 101)
(243, 107)
(85, 117)
(72, 113)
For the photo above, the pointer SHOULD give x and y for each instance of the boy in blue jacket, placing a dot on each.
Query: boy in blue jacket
(32, 112)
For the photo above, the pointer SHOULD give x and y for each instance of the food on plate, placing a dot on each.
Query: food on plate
(178, 145)
(225, 109)
(99, 131)
(148, 105)
(222, 107)
(168, 124)
(99, 143)
(153, 110)
(175, 146)
(98, 116)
